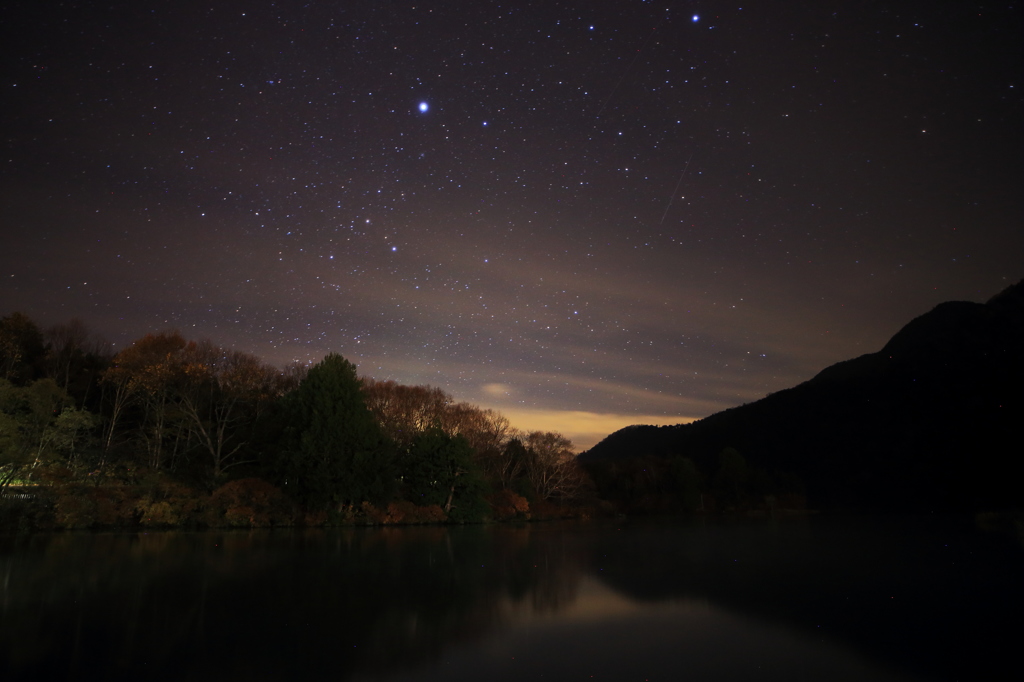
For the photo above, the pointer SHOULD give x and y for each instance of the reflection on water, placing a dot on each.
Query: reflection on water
(628, 640)
(822, 599)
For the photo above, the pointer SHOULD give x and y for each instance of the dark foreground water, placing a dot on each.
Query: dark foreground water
(807, 599)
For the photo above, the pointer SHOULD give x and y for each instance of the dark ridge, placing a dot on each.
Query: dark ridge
(934, 419)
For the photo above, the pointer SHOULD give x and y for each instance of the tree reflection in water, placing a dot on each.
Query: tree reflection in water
(804, 599)
(269, 603)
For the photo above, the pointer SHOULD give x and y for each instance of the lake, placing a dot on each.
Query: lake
(816, 598)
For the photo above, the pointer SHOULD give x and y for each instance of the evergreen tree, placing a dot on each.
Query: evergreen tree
(439, 469)
(332, 451)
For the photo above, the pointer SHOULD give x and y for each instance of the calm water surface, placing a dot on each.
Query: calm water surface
(805, 599)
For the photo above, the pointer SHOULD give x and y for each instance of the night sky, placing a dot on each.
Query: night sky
(582, 214)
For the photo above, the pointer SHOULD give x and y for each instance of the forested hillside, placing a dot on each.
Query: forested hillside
(934, 420)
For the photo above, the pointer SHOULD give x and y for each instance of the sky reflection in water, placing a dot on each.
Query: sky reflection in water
(603, 635)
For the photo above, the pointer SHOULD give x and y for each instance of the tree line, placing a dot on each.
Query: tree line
(172, 431)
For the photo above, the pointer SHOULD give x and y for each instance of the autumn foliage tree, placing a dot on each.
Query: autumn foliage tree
(406, 412)
(220, 395)
(188, 397)
(143, 375)
(185, 413)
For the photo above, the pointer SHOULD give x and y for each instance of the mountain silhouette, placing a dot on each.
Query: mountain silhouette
(934, 420)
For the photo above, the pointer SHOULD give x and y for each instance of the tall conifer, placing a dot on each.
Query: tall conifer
(333, 452)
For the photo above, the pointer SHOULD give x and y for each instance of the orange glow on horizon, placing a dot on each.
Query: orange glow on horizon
(585, 429)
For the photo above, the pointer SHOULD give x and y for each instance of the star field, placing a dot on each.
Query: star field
(583, 214)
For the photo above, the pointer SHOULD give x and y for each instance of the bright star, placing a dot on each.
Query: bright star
(424, 107)
(696, 18)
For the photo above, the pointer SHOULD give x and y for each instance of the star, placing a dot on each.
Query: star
(513, 202)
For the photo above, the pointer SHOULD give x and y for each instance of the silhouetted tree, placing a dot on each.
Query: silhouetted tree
(220, 395)
(508, 466)
(551, 466)
(21, 348)
(332, 450)
(75, 359)
(439, 469)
